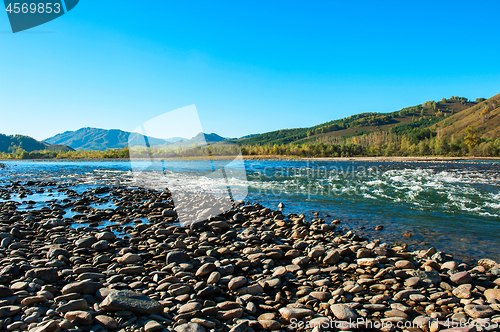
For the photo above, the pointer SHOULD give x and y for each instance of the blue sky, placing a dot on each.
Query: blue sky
(248, 66)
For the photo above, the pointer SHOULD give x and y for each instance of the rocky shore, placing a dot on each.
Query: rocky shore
(134, 268)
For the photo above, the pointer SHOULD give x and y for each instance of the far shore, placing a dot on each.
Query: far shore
(424, 159)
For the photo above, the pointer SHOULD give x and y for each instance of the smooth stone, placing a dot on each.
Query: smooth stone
(479, 311)
(492, 295)
(33, 299)
(129, 258)
(269, 324)
(81, 317)
(106, 321)
(229, 314)
(205, 269)
(404, 264)
(188, 307)
(240, 327)
(322, 296)
(152, 325)
(85, 242)
(461, 278)
(50, 326)
(91, 275)
(463, 291)
(190, 327)
(131, 270)
(331, 257)
(82, 287)
(177, 257)
(73, 305)
(237, 283)
(47, 274)
(108, 236)
(9, 310)
(288, 313)
(343, 312)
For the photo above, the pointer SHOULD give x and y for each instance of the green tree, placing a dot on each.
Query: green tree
(471, 139)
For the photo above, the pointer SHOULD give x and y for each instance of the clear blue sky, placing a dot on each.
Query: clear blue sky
(249, 66)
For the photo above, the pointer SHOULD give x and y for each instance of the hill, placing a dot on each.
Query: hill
(419, 116)
(102, 139)
(10, 144)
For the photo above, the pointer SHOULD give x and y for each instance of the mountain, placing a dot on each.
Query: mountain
(414, 118)
(9, 144)
(103, 139)
(201, 139)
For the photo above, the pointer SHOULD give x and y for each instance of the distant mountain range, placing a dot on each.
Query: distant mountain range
(103, 139)
(10, 144)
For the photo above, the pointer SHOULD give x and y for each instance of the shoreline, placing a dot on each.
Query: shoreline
(251, 268)
(423, 159)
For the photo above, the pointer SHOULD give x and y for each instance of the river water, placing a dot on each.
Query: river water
(452, 206)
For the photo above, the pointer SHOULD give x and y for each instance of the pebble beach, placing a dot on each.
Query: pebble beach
(133, 267)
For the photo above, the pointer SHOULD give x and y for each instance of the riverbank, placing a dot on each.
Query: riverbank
(115, 258)
(423, 159)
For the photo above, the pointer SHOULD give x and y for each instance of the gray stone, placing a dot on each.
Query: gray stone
(190, 327)
(47, 274)
(133, 301)
(461, 278)
(463, 291)
(152, 325)
(129, 258)
(50, 326)
(343, 312)
(288, 313)
(479, 311)
(9, 310)
(85, 242)
(73, 306)
(106, 321)
(82, 287)
(177, 257)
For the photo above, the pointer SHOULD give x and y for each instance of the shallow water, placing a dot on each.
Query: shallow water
(453, 206)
